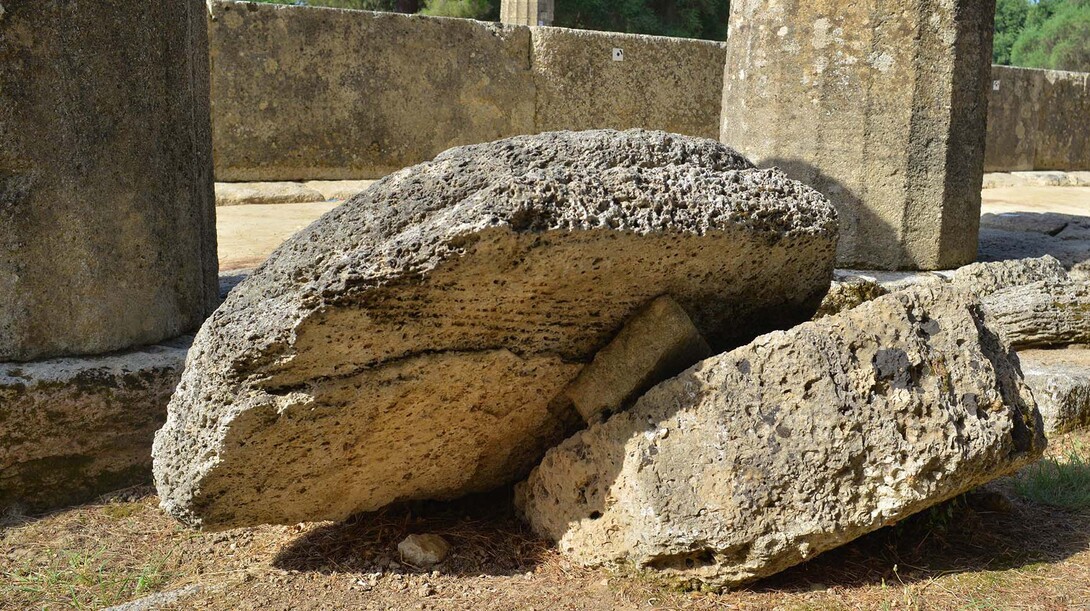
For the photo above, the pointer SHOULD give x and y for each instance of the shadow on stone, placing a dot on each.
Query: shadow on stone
(864, 236)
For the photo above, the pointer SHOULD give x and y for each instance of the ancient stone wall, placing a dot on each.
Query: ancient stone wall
(1037, 120)
(314, 93)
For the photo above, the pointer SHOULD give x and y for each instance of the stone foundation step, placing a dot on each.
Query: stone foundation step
(256, 193)
(999, 180)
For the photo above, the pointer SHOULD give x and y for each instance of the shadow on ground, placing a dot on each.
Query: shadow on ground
(485, 534)
(1018, 235)
(987, 530)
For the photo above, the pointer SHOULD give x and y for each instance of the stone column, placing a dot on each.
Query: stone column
(881, 105)
(107, 235)
(526, 12)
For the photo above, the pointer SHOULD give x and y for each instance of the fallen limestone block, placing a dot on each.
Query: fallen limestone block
(423, 550)
(74, 428)
(658, 343)
(1042, 314)
(852, 288)
(412, 343)
(249, 193)
(987, 278)
(758, 459)
(1060, 381)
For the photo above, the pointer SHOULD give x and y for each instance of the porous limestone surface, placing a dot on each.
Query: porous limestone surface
(758, 459)
(410, 344)
(987, 278)
(73, 428)
(1042, 314)
(1060, 380)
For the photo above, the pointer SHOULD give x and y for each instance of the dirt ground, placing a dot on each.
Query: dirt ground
(995, 549)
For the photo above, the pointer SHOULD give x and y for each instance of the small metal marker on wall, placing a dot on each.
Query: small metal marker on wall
(618, 55)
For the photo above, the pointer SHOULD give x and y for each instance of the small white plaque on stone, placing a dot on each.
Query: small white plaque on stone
(618, 55)
(995, 85)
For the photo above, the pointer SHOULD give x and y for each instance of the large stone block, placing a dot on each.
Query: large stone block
(413, 342)
(73, 428)
(1060, 381)
(1036, 120)
(880, 105)
(758, 459)
(672, 84)
(1042, 314)
(107, 220)
(317, 93)
(1014, 109)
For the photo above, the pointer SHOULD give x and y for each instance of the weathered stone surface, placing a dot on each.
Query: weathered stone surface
(672, 84)
(294, 101)
(659, 342)
(987, 278)
(251, 193)
(755, 460)
(1042, 314)
(410, 344)
(847, 293)
(423, 550)
(107, 221)
(73, 428)
(1060, 381)
(339, 190)
(880, 106)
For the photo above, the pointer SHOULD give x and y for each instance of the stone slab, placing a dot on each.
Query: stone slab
(339, 190)
(251, 193)
(412, 343)
(74, 428)
(763, 457)
(657, 343)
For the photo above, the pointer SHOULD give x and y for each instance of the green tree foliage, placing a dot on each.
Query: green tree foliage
(689, 18)
(364, 5)
(1056, 36)
(484, 10)
(1010, 18)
